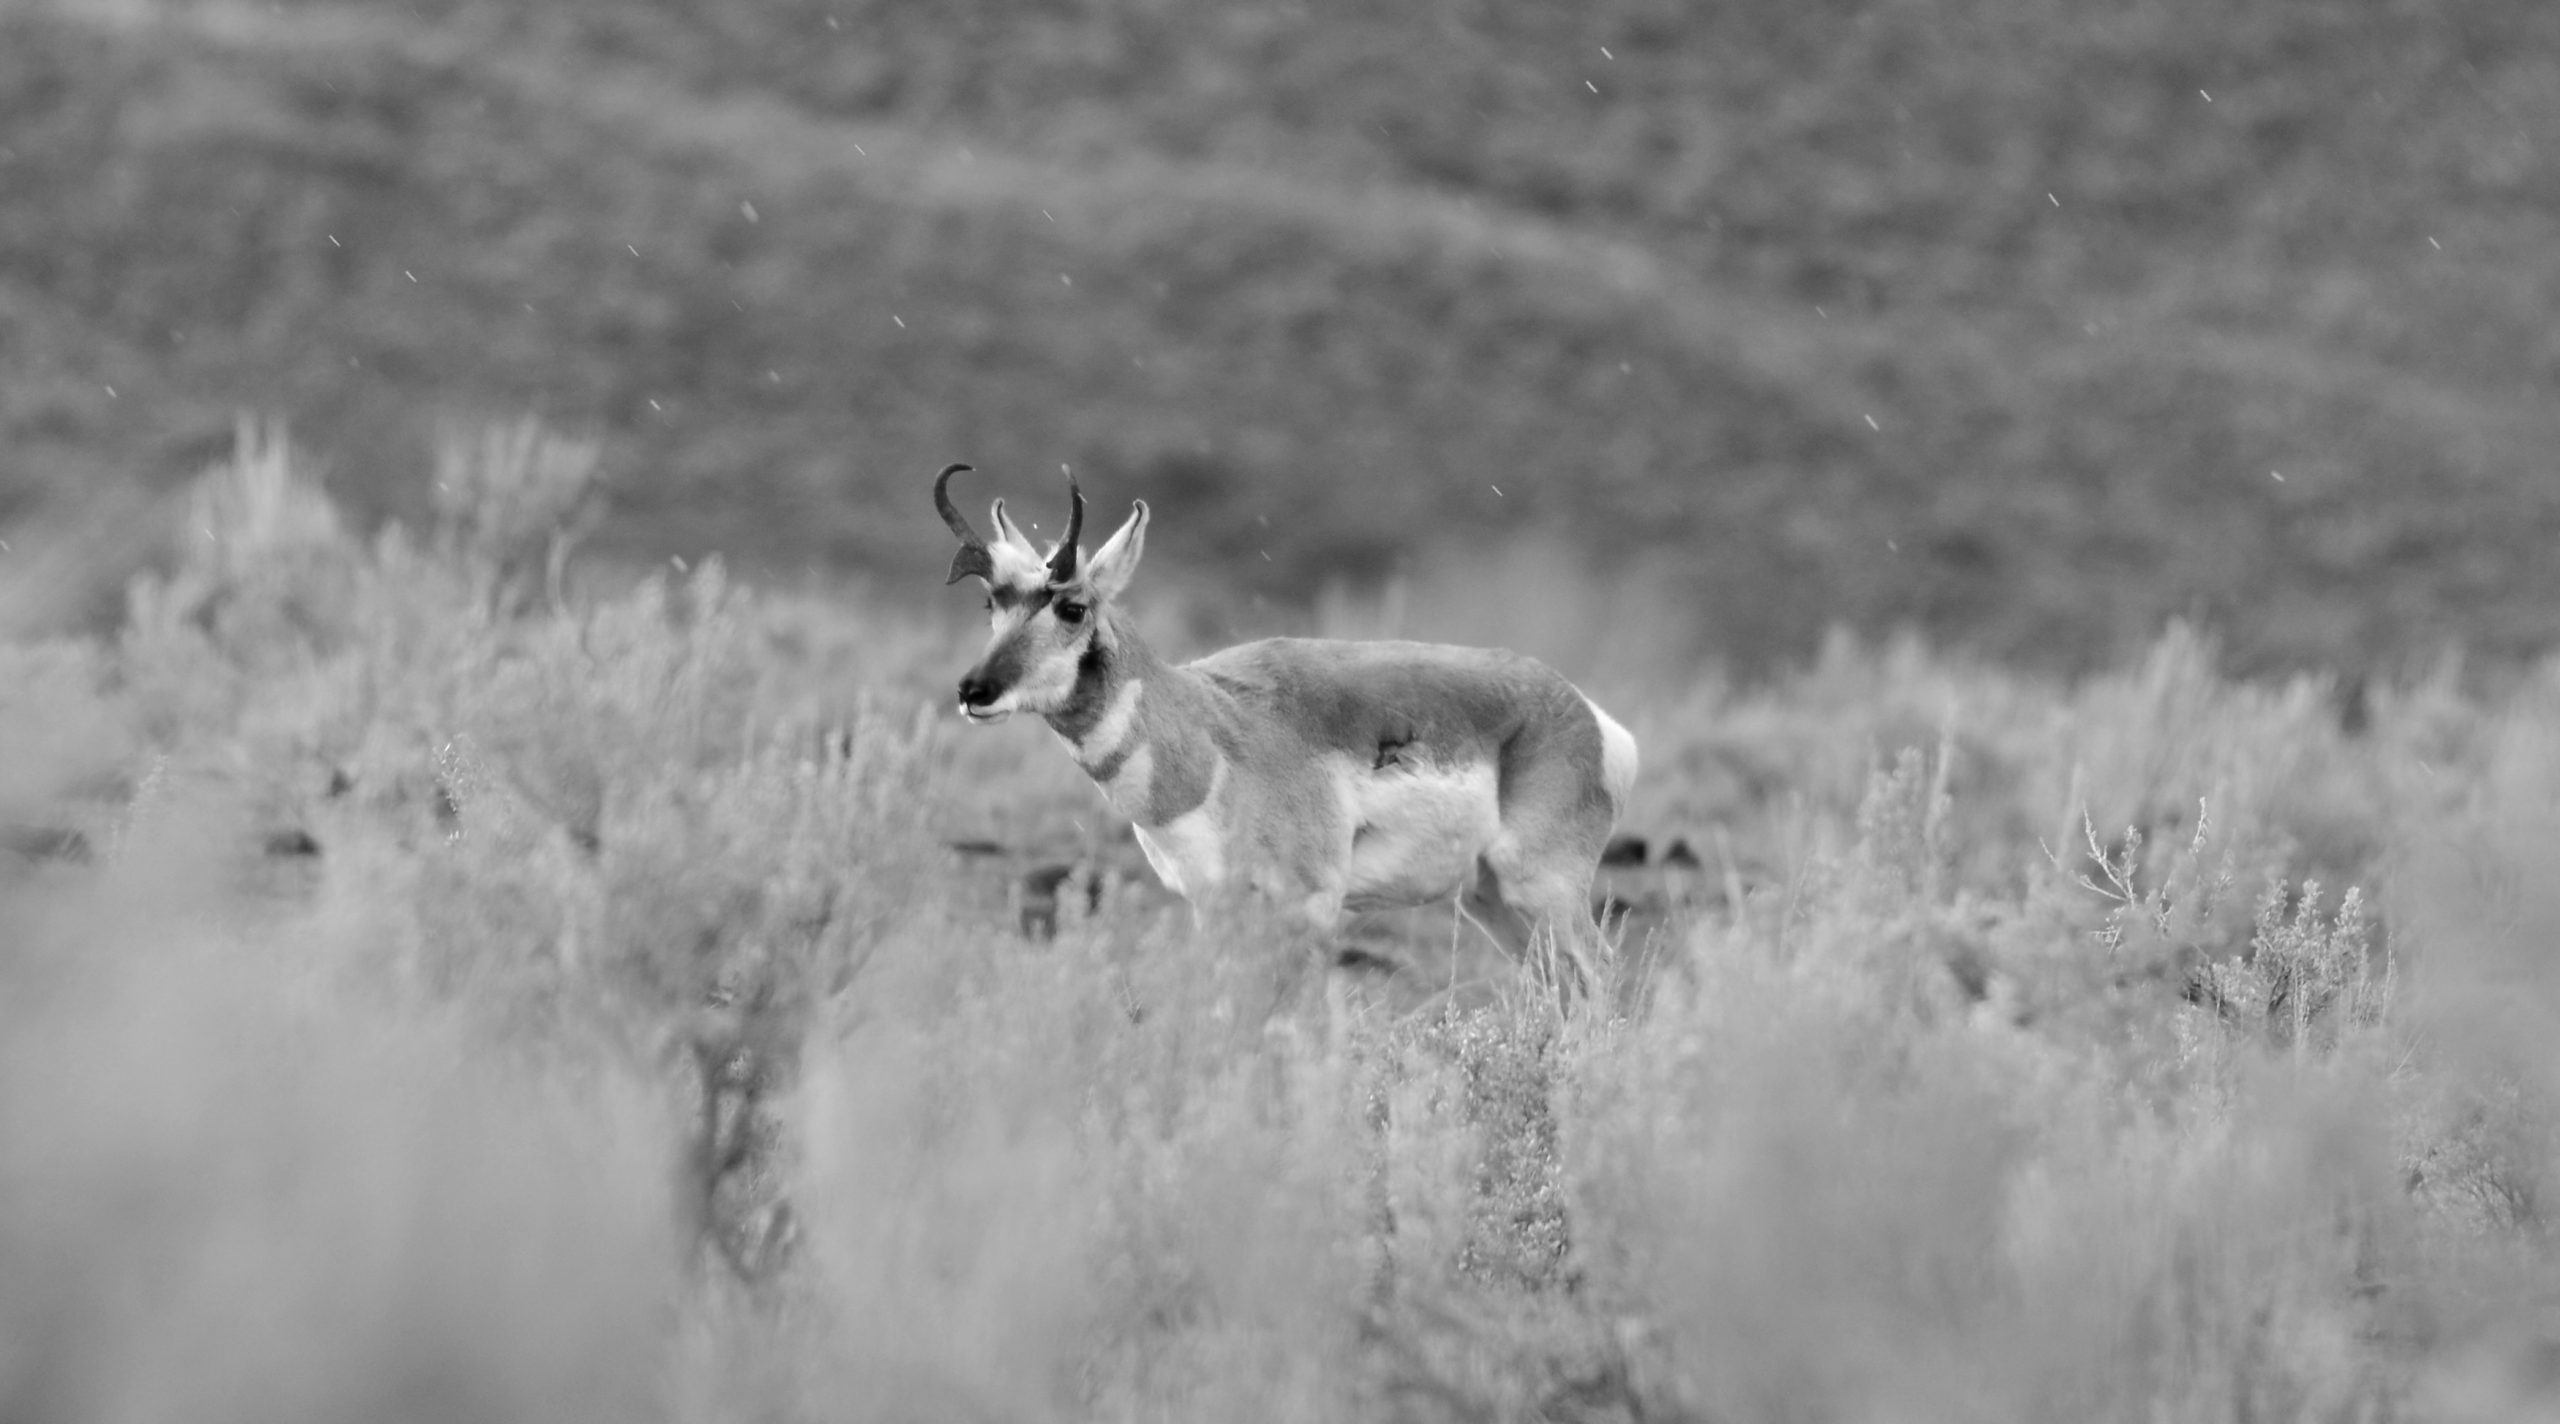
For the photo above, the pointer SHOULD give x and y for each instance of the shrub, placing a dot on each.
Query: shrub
(495, 1000)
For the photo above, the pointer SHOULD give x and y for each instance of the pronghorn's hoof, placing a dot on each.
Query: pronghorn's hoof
(1624, 851)
(1361, 961)
(1045, 888)
(43, 843)
(292, 841)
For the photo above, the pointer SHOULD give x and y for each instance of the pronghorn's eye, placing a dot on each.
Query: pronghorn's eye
(1071, 612)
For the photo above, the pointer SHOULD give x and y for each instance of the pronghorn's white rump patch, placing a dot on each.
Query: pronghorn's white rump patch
(1617, 756)
(1416, 832)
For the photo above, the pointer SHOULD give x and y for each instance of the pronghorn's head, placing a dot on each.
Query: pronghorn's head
(1045, 610)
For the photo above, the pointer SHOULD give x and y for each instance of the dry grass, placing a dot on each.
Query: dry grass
(435, 1006)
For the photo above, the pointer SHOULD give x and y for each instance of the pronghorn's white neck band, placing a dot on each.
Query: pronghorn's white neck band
(1101, 745)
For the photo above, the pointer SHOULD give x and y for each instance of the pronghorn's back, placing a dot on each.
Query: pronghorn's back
(1413, 703)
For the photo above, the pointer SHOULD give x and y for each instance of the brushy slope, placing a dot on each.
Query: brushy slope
(2023, 324)
(417, 999)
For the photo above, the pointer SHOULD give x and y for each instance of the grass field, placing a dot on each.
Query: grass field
(421, 1001)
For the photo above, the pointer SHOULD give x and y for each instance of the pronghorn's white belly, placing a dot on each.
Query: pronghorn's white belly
(1416, 831)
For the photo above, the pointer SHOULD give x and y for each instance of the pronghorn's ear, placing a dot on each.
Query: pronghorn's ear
(1010, 533)
(1109, 569)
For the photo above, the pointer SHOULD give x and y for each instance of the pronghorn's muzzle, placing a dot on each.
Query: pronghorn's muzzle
(978, 696)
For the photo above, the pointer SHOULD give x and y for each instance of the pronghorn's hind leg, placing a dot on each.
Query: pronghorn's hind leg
(1539, 912)
(1557, 812)
(1485, 906)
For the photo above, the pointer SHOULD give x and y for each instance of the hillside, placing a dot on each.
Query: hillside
(2027, 325)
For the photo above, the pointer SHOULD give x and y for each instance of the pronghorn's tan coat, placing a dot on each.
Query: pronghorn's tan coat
(1326, 775)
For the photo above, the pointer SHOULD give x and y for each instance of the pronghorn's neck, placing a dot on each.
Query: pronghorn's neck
(1140, 726)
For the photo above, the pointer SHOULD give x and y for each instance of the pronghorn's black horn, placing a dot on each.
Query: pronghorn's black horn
(1062, 563)
(972, 558)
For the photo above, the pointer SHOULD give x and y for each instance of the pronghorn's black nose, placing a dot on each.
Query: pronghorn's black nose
(977, 690)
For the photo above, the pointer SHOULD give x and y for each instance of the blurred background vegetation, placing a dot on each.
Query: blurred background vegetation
(2026, 323)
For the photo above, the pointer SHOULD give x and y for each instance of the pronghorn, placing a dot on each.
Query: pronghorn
(1326, 775)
